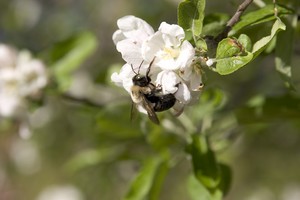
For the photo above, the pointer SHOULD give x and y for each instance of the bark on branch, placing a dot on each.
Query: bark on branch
(233, 20)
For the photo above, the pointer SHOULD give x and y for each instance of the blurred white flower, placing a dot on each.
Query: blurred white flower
(9, 81)
(24, 130)
(172, 69)
(25, 156)
(33, 74)
(8, 56)
(63, 192)
(26, 12)
(10, 105)
(291, 192)
(21, 76)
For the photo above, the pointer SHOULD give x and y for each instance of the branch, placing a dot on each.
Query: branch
(234, 19)
(81, 100)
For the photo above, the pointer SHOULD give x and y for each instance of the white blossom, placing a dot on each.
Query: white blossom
(169, 80)
(172, 52)
(127, 72)
(33, 74)
(129, 38)
(172, 69)
(61, 192)
(10, 105)
(21, 76)
(8, 56)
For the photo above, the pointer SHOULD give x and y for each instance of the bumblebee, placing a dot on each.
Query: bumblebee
(148, 95)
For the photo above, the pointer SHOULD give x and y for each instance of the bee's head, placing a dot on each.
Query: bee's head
(141, 80)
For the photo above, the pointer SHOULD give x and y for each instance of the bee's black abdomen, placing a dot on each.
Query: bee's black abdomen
(162, 102)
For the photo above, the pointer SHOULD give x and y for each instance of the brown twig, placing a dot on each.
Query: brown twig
(234, 19)
(81, 100)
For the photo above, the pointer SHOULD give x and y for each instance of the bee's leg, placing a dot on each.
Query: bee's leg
(158, 88)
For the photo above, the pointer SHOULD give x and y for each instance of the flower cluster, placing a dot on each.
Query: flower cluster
(21, 76)
(172, 69)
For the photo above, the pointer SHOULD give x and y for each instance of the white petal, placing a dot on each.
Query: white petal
(117, 79)
(167, 64)
(186, 55)
(8, 56)
(183, 94)
(34, 77)
(118, 36)
(9, 75)
(131, 51)
(10, 81)
(10, 105)
(173, 34)
(155, 47)
(135, 28)
(152, 46)
(124, 78)
(196, 82)
(168, 80)
(127, 84)
(185, 73)
(178, 108)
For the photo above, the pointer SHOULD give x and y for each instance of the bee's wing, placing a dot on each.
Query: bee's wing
(132, 112)
(151, 113)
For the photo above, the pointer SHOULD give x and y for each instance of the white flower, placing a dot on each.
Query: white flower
(127, 72)
(9, 81)
(169, 48)
(60, 192)
(129, 38)
(124, 78)
(25, 156)
(21, 76)
(7, 56)
(10, 105)
(169, 80)
(171, 56)
(33, 74)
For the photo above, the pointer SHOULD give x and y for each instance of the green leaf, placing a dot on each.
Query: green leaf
(284, 52)
(191, 15)
(259, 16)
(143, 182)
(198, 192)
(260, 45)
(232, 55)
(227, 48)
(79, 48)
(92, 157)
(159, 177)
(245, 41)
(204, 161)
(226, 179)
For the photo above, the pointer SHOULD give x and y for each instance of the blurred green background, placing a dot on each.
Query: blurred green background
(92, 152)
